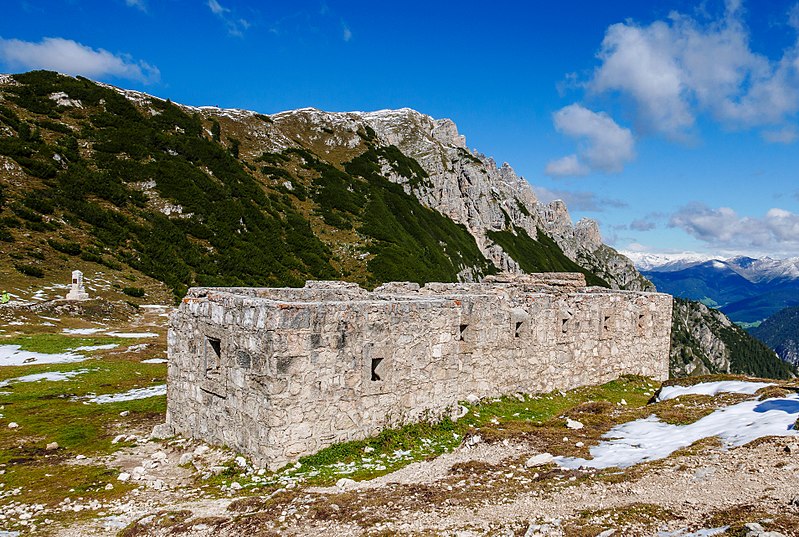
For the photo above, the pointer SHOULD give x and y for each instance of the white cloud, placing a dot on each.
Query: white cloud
(567, 166)
(785, 135)
(578, 200)
(235, 25)
(634, 62)
(346, 33)
(70, 57)
(675, 69)
(216, 8)
(603, 145)
(138, 4)
(777, 231)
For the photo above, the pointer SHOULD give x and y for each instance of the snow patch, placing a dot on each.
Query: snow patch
(13, 355)
(711, 388)
(89, 348)
(155, 361)
(650, 439)
(130, 395)
(53, 376)
(132, 334)
(81, 331)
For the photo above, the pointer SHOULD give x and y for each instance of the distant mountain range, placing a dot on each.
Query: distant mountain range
(747, 289)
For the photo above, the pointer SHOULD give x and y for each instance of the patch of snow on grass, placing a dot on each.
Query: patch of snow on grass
(711, 388)
(130, 395)
(650, 439)
(89, 348)
(82, 331)
(13, 355)
(53, 376)
(155, 361)
(132, 334)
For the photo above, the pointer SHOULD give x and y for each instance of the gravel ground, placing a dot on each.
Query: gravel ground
(481, 490)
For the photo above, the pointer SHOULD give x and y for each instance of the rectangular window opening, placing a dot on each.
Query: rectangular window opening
(462, 331)
(641, 319)
(375, 364)
(606, 323)
(518, 328)
(564, 325)
(213, 356)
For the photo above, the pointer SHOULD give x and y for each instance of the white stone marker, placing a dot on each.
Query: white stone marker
(77, 292)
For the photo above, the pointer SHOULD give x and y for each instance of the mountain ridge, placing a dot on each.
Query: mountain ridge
(746, 289)
(334, 140)
(156, 197)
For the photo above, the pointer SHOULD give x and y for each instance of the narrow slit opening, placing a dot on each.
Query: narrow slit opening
(213, 356)
(375, 364)
(462, 331)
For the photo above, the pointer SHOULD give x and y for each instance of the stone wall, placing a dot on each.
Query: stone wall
(281, 373)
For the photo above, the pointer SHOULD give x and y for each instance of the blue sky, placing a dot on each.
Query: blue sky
(674, 124)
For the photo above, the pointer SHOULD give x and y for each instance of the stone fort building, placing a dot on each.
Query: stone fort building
(281, 373)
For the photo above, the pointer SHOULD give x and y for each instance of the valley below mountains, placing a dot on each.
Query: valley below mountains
(747, 290)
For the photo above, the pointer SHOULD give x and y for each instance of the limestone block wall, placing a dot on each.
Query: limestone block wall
(281, 373)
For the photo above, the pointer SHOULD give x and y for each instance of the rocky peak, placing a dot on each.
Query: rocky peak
(586, 231)
(446, 132)
(471, 189)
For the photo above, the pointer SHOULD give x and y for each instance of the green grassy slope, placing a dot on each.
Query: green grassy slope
(88, 168)
(192, 197)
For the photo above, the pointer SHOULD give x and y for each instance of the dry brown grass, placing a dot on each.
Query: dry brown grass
(633, 519)
(779, 520)
(272, 504)
(772, 391)
(150, 524)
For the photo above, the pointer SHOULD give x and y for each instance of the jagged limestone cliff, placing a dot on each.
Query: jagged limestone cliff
(470, 189)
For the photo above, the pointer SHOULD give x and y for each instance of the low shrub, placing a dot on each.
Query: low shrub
(30, 270)
(66, 247)
(137, 292)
